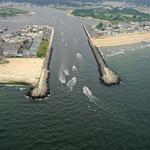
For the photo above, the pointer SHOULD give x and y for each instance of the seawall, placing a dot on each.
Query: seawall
(41, 90)
(107, 76)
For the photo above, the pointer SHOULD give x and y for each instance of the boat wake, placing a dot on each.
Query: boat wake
(79, 56)
(66, 71)
(61, 75)
(72, 83)
(89, 94)
(74, 69)
(75, 40)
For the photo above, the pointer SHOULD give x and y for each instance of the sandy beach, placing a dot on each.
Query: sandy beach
(21, 70)
(126, 39)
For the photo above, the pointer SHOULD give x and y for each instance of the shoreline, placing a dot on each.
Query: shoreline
(69, 13)
(13, 15)
(14, 73)
(120, 40)
(26, 14)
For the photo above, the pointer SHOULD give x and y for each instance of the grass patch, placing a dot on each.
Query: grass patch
(10, 11)
(43, 48)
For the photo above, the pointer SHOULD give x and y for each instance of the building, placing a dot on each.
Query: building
(32, 52)
(46, 34)
(11, 49)
(1, 53)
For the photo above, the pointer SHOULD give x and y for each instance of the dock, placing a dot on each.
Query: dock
(107, 76)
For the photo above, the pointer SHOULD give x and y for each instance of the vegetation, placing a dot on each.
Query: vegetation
(43, 48)
(100, 26)
(115, 15)
(5, 11)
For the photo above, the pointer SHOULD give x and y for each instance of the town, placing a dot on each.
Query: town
(25, 42)
(107, 29)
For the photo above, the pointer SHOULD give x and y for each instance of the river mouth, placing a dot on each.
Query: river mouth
(69, 119)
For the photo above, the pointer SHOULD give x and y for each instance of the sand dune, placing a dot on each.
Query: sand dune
(25, 70)
(121, 39)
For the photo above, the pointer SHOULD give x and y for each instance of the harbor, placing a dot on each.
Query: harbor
(90, 115)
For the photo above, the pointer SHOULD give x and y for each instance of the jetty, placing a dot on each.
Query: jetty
(41, 90)
(107, 76)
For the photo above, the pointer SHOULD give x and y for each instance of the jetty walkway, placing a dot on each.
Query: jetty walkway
(108, 76)
(41, 90)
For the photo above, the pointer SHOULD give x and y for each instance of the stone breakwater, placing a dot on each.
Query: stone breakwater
(108, 76)
(41, 90)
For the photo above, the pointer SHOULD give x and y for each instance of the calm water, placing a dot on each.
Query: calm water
(115, 118)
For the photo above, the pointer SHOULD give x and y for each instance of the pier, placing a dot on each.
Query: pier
(41, 90)
(108, 76)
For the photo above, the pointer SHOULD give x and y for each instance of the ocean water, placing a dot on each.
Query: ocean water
(112, 118)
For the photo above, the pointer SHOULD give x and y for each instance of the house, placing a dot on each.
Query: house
(46, 34)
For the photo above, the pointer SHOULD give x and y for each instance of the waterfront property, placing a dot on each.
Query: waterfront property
(27, 42)
(21, 49)
(11, 50)
(109, 29)
(127, 39)
(108, 34)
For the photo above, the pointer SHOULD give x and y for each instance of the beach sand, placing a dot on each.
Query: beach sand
(125, 39)
(21, 70)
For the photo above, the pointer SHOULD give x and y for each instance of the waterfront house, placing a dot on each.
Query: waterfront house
(11, 49)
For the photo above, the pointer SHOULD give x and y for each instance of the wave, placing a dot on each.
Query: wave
(116, 53)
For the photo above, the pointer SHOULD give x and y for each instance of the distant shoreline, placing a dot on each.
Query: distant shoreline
(125, 39)
(29, 13)
(25, 14)
(6, 11)
(88, 18)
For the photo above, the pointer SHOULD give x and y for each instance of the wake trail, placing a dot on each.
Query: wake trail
(72, 83)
